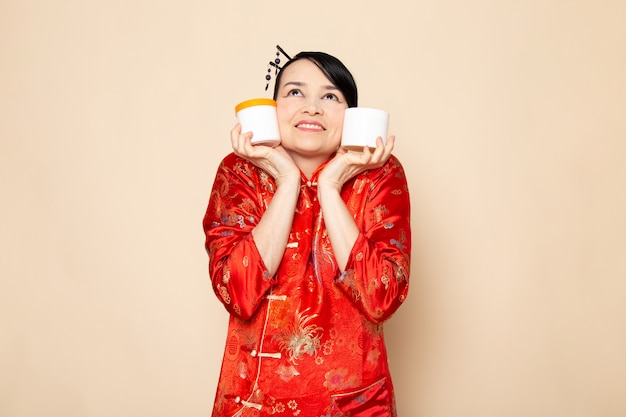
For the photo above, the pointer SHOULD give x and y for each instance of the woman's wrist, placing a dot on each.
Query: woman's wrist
(289, 180)
(327, 190)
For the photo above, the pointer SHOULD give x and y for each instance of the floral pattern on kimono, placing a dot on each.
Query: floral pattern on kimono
(307, 341)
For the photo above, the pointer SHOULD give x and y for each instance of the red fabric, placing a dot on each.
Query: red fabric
(309, 340)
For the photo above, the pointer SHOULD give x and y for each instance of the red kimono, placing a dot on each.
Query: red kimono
(307, 341)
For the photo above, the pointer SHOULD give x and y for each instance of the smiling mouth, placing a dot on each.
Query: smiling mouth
(310, 126)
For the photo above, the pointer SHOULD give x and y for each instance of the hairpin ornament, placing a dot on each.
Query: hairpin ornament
(276, 64)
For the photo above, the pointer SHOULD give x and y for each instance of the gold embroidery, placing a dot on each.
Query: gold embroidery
(301, 337)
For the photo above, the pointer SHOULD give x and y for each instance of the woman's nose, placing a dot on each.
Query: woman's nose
(312, 106)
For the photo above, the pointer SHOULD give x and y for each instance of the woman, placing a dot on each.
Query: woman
(309, 249)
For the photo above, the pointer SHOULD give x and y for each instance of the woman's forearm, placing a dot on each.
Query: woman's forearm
(342, 230)
(272, 233)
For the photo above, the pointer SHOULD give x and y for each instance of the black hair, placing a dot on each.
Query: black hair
(333, 69)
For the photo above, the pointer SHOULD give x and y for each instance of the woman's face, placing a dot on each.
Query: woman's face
(310, 111)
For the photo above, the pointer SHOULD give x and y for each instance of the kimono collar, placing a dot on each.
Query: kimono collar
(316, 173)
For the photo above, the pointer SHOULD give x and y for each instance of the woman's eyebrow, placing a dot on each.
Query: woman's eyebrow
(302, 84)
(295, 83)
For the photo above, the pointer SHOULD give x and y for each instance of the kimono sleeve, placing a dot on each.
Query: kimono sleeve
(238, 275)
(376, 278)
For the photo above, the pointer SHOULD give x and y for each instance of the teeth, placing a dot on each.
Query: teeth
(310, 126)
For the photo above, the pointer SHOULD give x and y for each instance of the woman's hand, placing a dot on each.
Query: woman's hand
(346, 165)
(275, 161)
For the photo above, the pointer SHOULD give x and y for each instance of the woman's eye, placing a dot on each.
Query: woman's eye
(331, 96)
(294, 92)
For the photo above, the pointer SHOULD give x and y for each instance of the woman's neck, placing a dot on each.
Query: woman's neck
(308, 164)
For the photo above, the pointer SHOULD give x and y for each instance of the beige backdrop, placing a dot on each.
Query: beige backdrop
(510, 119)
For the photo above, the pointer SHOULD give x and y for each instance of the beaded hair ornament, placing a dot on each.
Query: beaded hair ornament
(276, 64)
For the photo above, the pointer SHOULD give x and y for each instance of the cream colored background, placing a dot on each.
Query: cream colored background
(510, 118)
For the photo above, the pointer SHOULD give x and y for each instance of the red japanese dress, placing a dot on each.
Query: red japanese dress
(307, 341)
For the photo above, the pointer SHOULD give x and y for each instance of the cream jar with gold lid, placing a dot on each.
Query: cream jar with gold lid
(258, 115)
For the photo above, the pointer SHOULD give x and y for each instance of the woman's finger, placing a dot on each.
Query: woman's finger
(248, 147)
(391, 141)
(379, 151)
(234, 135)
